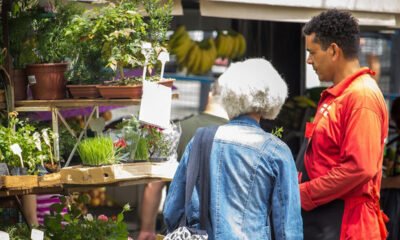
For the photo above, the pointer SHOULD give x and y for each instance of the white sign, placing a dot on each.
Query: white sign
(163, 57)
(16, 149)
(37, 234)
(155, 107)
(4, 236)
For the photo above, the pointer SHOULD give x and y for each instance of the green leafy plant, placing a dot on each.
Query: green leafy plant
(35, 147)
(277, 132)
(97, 151)
(76, 225)
(117, 31)
(152, 140)
(19, 231)
(49, 31)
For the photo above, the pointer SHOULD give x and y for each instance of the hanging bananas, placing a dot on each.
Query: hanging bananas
(199, 57)
(230, 45)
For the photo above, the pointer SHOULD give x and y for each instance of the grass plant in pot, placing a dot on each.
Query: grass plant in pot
(46, 76)
(120, 29)
(97, 151)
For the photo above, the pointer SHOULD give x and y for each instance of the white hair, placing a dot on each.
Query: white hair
(252, 86)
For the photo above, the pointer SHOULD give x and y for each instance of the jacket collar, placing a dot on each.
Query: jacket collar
(245, 120)
(340, 87)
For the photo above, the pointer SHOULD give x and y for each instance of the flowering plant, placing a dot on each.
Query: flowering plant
(22, 146)
(76, 225)
(149, 142)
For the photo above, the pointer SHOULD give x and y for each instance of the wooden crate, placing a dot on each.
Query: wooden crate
(49, 180)
(19, 182)
(117, 172)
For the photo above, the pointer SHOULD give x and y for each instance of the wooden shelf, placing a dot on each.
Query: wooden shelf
(32, 105)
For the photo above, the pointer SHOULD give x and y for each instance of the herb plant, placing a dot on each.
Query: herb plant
(97, 151)
(35, 147)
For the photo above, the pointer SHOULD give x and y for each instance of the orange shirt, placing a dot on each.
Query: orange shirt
(345, 151)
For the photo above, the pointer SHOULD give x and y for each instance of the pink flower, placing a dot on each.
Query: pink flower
(103, 218)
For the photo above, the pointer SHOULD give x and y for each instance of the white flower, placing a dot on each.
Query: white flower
(36, 139)
(127, 207)
(88, 217)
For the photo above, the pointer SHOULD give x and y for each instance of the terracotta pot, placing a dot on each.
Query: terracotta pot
(83, 91)
(134, 92)
(18, 77)
(47, 80)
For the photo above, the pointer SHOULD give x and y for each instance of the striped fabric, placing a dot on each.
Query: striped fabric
(44, 201)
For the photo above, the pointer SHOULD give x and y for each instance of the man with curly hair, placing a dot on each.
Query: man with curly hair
(341, 173)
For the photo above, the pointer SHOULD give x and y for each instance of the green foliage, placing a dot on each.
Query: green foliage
(36, 147)
(21, 35)
(18, 231)
(52, 45)
(80, 226)
(97, 151)
(117, 31)
(152, 140)
(277, 132)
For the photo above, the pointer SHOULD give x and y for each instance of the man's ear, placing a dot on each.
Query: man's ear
(335, 51)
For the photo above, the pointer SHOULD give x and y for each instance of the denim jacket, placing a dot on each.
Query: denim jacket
(254, 190)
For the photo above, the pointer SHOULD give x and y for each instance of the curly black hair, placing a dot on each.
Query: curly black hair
(334, 26)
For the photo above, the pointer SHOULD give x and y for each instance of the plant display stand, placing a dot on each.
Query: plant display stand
(29, 181)
(118, 172)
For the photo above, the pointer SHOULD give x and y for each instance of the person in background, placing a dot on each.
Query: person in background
(36, 207)
(341, 174)
(253, 184)
(372, 48)
(214, 114)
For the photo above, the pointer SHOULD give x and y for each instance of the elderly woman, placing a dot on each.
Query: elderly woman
(253, 180)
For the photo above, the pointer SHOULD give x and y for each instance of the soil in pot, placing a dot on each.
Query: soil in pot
(52, 168)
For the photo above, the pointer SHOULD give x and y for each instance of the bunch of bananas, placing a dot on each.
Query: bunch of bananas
(201, 57)
(197, 57)
(180, 43)
(230, 45)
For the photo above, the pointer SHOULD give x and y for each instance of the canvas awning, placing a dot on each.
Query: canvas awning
(384, 13)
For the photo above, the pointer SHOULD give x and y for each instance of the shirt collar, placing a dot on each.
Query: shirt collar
(336, 90)
(244, 119)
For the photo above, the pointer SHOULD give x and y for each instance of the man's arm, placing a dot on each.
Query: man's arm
(361, 160)
(286, 210)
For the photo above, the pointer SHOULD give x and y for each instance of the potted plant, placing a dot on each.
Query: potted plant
(75, 224)
(144, 142)
(97, 151)
(120, 30)
(46, 76)
(23, 148)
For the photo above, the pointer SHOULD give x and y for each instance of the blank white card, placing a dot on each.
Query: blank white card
(155, 107)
